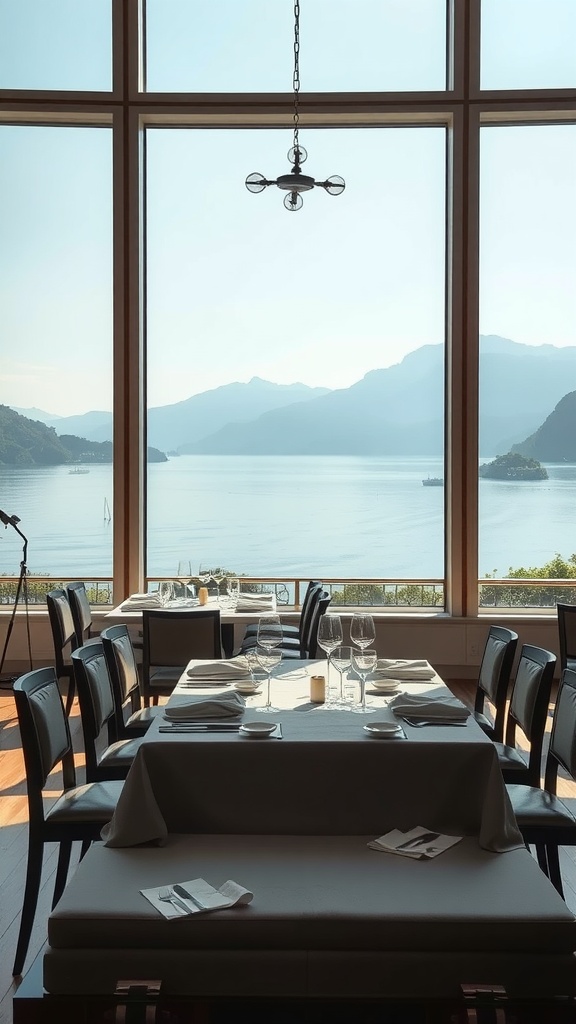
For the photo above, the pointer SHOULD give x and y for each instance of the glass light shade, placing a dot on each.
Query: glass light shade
(334, 185)
(293, 201)
(297, 155)
(255, 182)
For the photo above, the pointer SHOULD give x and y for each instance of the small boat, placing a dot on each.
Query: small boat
(78, 470)
(433, 481)
(107, 512)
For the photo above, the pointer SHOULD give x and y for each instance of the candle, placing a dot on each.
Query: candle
(203, 595)
(317, 689)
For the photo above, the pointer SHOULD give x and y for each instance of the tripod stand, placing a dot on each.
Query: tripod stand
(22, 588)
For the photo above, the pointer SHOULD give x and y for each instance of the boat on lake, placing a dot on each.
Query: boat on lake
(433, 481)
(77, 470)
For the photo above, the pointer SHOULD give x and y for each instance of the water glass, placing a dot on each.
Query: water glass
(166, 592)
(269, 633)
(329, 638)
(342, 661)
(364, 662)
(268, 659)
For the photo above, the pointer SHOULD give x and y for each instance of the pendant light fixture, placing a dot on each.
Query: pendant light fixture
(294, 183)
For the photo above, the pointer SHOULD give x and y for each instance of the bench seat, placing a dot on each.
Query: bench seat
(330, 918)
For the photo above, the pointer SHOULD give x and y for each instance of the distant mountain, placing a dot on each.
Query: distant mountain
(26, 442)
(36, 414)
(95, 425)
(555, 439)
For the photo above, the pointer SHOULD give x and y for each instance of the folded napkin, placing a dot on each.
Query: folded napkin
(434, 704)
(197, 897)
(418, 844)
(402, 669)
(220, 671)
(256, 603)
(141, 601)
(228, 704)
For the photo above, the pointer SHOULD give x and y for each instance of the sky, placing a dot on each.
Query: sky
(237, 286)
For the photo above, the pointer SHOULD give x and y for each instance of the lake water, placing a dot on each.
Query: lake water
(315, 516)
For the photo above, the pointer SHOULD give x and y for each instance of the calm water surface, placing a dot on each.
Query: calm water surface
(260, 515)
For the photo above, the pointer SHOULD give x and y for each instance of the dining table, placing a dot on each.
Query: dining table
(322, 773)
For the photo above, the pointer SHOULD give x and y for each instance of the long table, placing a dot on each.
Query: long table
(326, 776)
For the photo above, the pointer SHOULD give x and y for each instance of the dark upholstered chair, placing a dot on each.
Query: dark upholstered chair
(79, 812)
(106, 757)
(123, 672)
(63, 637)
(81, 611)
(292, 632)
(567, 635)
(543, 819)
(494, 680)
(170, 640)
(309, 641)
(528, 710)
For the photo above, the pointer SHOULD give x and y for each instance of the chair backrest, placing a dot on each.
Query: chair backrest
(567, 635)
(173, 638)
(81, 611)
(309, 643)
(62, 626)
(96, 699)
(562, 749)
(308, 605)
(494, 675)
(529, 704)
(122, 669)
(44, 734)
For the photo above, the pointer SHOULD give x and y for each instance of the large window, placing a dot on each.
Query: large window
(292, 396)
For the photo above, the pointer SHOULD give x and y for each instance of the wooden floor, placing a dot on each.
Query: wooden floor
(13, 846)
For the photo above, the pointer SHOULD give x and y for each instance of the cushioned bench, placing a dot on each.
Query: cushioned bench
(330, 918)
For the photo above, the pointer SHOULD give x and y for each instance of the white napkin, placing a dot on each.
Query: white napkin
(230, 894)
(434, 704)
(402, 669)
(141, 601)
(418, 844)
(218, 671)
(228, 704)
(256, 603)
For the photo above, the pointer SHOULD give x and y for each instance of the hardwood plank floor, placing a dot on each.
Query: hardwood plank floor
(13, 845)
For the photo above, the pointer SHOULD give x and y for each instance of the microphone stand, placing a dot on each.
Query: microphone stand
(22, 587)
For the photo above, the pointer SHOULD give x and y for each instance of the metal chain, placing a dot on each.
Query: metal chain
(296, 75)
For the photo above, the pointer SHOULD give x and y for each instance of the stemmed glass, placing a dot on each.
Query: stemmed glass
(268, 659)
(184, 575)
(362, 631)
(342, 660)
(218, 575)
(329, 638)
(363, 663)
(269, 634)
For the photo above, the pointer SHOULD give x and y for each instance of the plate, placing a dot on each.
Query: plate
(258, 729)
(383, 729)
(247, 691)
(384, 685)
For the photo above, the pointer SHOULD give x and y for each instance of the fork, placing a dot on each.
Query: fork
(168, 896)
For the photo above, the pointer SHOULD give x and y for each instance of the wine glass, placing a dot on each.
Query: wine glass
(329, 637)
(218, 575)
(362, 631)
(268, 658)
(184, 575)
(342, 661)
(232, 592)
(269, 634)
(364, 662)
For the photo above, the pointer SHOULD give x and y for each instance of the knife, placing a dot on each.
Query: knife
(412, 844)
(194, 727)
(181, 891)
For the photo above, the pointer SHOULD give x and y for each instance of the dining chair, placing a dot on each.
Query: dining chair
(289, 630)
(64, 638)
(294, 639)
(123, 672)
(567, 635)
(170, 640)
(106, 756)
(309, 641)
(81, 611)
(543, 819)
(528, 711)
(78, 813)
(494, 680)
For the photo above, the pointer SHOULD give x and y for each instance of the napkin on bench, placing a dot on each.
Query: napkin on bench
(230, 894)
(220, 671)
(402, 669)
(256, 603)
(228, 704)
(434, 704)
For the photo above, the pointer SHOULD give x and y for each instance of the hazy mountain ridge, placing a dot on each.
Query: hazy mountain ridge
(555, 439)
(398, 410)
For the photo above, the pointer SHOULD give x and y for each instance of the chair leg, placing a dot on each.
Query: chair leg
(542, 858)
(70, 695)
(86, 844)
(554, 868)
(61, 871)
(31, 890)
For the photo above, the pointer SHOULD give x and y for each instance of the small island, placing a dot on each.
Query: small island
(513, 466)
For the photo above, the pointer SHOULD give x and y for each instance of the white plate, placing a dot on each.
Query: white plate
(384, 685)
(383, 728)
(247, 691)
(258, 729)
